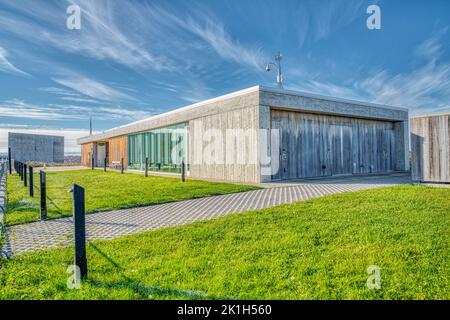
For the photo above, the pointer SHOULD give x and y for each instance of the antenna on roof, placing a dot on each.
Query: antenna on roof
(90, 126)
(277, 64)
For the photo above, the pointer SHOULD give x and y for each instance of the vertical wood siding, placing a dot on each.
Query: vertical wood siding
(118, 150)
(430, 147)
(86, 150)
(321, 145)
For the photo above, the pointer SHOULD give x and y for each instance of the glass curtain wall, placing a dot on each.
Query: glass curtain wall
(165, 148)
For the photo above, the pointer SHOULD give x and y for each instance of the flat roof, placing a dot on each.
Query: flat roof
(112, 132)
(33, 135)
(436, 114)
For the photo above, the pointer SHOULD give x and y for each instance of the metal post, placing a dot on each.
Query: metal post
(25, 175)
(9, 160)
(146, 167)
(21, 170)
(121, 166)
(31, 182)
(104, 167)
(43, 185)
(92, 163)
(183, 171)
(78, 211)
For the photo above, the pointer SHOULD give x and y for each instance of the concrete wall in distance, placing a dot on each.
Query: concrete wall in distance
(40, 148)
(430, 148)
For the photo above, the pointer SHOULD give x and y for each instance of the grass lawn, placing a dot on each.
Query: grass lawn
(318, 249)
(104, 191)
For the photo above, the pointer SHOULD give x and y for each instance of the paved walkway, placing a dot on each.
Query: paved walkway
(113, 224)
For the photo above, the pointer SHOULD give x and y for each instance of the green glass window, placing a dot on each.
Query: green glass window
(164, 147)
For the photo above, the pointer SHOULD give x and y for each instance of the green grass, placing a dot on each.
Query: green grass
(104, 191)
(318, 249)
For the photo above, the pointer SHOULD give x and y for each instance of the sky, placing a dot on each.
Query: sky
(132, 59)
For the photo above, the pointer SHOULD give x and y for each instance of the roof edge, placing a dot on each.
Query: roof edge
(330, 98)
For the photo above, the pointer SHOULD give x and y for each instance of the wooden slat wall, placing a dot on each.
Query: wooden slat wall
(118, 150)
(430, 147)
(315, 145)
(86, 150)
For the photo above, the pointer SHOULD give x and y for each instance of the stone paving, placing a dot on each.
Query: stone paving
(113, 224)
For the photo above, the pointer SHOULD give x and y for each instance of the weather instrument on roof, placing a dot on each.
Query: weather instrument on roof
(277, 65)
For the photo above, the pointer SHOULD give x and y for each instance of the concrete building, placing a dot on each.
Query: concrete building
(430, 148)
(33, 147)
(261, 134)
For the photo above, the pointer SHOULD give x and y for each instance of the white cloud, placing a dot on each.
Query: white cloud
(425, 89)
(431, 48)
(93, 88)
(7, 66)
(213, 33)
(133, 35)
(16, 108)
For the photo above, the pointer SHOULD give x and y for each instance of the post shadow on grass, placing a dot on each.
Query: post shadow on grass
(141, 289)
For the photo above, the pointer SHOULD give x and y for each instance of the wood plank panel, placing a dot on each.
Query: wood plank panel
(118, 149)
(86, 151)
(315, 145)
(430, 148)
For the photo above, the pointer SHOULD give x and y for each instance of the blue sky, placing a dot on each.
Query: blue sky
(132, 59)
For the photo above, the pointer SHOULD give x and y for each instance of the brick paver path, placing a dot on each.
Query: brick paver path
(113, 224)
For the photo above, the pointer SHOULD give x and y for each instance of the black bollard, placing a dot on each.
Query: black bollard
(31, 182)
(43, 187)
(78, 211)
(25, 175)
(146, 167)
(183, 171)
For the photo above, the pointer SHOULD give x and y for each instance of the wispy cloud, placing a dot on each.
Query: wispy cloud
(431, 48)
(7, 66)
(93, 88)
(16, 108)
(424, 89)
(214, 34)
(132, 35)
(60, 91)
(317, 20)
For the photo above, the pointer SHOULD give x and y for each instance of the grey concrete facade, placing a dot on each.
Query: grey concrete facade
(39, 148)
(251, 109)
